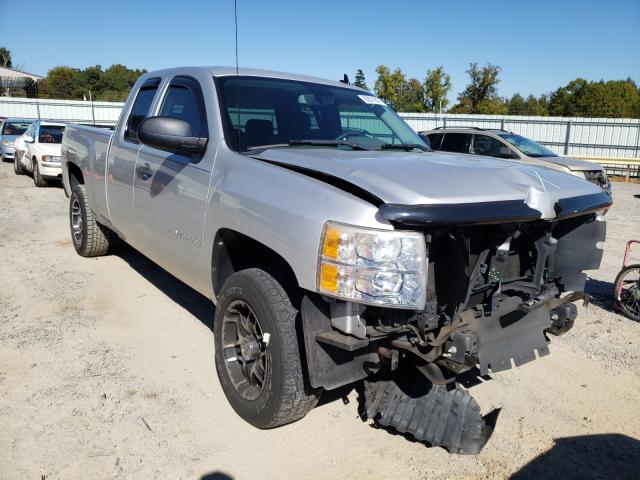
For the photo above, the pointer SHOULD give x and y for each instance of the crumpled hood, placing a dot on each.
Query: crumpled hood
(434, 178)
(572, 163)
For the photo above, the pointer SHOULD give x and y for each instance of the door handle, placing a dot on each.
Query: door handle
(144, 171)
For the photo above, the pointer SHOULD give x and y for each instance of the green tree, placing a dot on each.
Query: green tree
(518, 105)
(481, 94)
(580, 98)
(411, 97)
(360, 81)
(63, 83)
(91, 79)
(437, 84)
(5, 58)
(389, 85)
(112, 84)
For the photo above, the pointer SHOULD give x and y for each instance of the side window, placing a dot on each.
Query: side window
(486, 145)
(456, 142)
(140, 109)
(184, 101)
(435, 139)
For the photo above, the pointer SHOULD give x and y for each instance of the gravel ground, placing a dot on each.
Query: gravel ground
(106, 371)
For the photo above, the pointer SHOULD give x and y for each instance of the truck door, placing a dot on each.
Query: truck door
(171, 189)
(122, 162)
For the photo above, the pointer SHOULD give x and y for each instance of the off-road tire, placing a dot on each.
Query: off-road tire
(38, 180)
(94, 238)
(285, 396)
(17, 166)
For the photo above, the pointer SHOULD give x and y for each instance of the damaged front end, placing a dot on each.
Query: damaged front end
(499, 279)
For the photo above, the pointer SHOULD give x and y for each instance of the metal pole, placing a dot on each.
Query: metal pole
(444, 122)
(502, 124)
(93, 113)
(38, 108)
(567, 138)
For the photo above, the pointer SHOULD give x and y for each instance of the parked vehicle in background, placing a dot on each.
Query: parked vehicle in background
(40, 152)
(336, 254)
(10, 130)
(507, 145)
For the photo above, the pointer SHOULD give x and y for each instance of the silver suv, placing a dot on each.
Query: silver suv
(508, 145)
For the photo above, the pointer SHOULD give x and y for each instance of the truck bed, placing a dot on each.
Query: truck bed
(87, 147)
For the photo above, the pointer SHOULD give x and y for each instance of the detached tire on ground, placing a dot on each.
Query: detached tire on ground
(90, 238)
(257, 355)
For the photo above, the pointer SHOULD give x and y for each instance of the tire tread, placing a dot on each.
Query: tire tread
(98, 237)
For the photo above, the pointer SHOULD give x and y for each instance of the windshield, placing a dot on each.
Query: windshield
(14, 128)
(528, 147)
(261, 111)
(50, 134)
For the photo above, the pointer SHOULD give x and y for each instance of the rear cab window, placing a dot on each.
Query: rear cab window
(184, 101)
(140, 109)
(456, 142)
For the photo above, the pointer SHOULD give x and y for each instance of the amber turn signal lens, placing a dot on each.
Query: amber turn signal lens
(331, 242)
(328, 277)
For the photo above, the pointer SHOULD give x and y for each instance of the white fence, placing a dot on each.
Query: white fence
(581, 137)
(68, 110)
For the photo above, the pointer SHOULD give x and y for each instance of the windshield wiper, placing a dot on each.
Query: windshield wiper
(403, 146)
(329, 143)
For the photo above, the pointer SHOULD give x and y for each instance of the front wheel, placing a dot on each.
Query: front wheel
(627, 292)
(257, 354)
(90, 238)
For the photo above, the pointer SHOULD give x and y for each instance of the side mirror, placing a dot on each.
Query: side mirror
(171, 135)
(506, 152)
(29, 139)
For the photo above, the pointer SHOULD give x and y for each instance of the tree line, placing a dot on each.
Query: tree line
(579, 98)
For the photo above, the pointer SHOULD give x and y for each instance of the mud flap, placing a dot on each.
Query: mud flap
(430, 413)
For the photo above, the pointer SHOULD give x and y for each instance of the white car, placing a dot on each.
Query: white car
(38, 151)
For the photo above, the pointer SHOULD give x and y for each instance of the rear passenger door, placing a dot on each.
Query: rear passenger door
(122, 161)
(171, 189)
(456, 142)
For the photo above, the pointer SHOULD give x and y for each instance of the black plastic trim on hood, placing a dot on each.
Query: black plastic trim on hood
(334, 181)
(458, 214)
(576, 206)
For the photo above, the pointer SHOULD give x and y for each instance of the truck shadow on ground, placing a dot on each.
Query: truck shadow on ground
(604, 456)
(196, 304)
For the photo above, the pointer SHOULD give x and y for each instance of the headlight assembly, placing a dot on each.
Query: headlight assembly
(375, 267)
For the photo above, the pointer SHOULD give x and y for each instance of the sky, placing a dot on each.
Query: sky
(540, 45)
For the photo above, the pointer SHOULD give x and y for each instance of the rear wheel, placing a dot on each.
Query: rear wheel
(17, 166)
(627, 292)
(38, 180)
(257, 354)
(90, 238)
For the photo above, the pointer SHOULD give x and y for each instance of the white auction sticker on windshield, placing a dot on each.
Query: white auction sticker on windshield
(371, 100)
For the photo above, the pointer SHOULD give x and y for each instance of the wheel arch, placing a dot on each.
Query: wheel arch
(234, 251)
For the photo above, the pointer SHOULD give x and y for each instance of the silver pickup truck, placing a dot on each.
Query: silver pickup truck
(337, 248)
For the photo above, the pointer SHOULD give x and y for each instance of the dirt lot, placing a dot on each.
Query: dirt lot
(106, 371)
